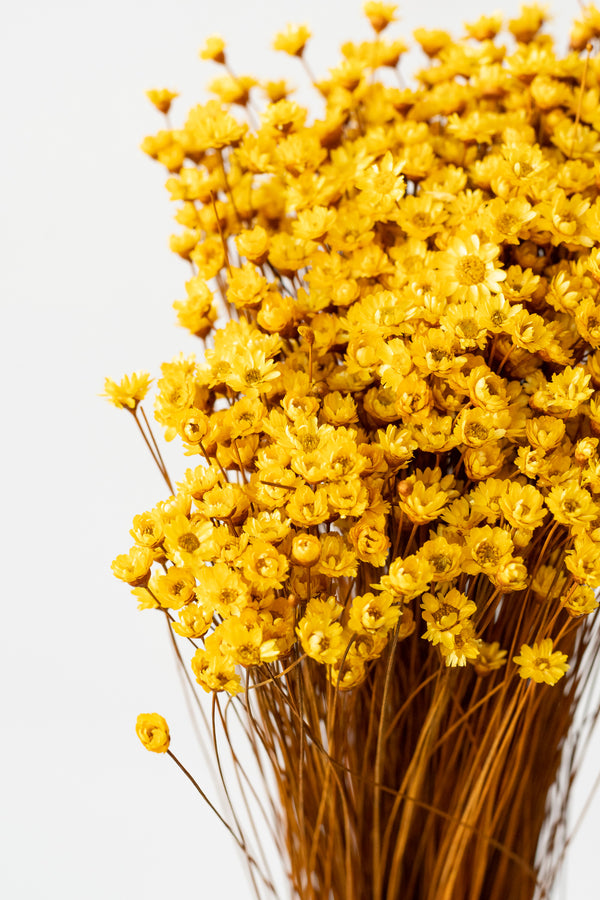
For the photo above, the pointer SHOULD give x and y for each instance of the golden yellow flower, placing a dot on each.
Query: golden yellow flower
(485, 28)
(282, 118)
(337, 560)
(320, 634)
(373, 613)
(491, 657)
(277, 90)
(233, 89)
(253, 244)
(369, 539)
(153, 732)
(423, 496)
(583, 561)
(585, 29)
(209, 127)
(194, 621)
(541, 662)
(214, 671)
(306, 550)
(407, 578)
(197, 313)
(445, 614)
(380, 15)
(314, 224)
(293, 40)
(486, 550)
(527, 25)
(523, 506)
(461, 647)
(506, 221)
(442, 557)
(545, 432)
(129, 392)
(571, 504)
(580, 602)
(468, 269)
(263, 566)
(175, 588)
(432, 41)
(214, 49)
(161, 99)
(148, 529)
(134, 567)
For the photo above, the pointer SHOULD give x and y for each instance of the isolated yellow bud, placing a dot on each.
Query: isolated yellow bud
(306, 550)
(153, 732)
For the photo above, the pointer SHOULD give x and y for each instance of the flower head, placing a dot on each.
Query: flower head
(129, 392)
(162, 99)
(293, 40)
(541, 662)
(153, 732)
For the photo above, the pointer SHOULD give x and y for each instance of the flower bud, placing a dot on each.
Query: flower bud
(585, 449)
(153, 732)
(306, 550)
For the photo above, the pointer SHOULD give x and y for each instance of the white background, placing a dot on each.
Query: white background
(87, 283)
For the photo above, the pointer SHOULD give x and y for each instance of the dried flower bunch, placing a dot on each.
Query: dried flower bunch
(392, 528)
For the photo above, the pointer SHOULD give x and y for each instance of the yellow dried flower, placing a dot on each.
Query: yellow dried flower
(162, 99)
(129, 392)
(293, 40)
(214, 48)
(134, 567)
(541, 662)
(153, 732)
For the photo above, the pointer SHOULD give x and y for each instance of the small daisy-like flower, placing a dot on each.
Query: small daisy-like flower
(379, 14)
(446, 614)
(468, 270)
(490, 658)
(133, 567)
(580, 601)
(293, 40)
(153, 732)
(541, 663)
(373, 613)
(214, 49)
(252, 373)
(320, 634)
(214, 670)
(129, 392)
(161, 99)
(485, 28)
(233, 89)
(174, 589)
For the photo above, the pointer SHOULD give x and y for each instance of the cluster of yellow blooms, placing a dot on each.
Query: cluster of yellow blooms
(393, 426)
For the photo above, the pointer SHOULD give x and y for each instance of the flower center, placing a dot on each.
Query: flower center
(309, 442)
(252, 376)
(470, 270)
(487, 554)
(477, 431)
(188, 542)
(441, 563)
(506, 223)
(469, 328)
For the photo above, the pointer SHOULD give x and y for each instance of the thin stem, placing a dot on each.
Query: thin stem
(154, 454)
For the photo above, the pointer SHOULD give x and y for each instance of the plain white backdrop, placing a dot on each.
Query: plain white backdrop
(87, 282)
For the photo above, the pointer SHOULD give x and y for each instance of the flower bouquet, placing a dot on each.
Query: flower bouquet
(384, 555)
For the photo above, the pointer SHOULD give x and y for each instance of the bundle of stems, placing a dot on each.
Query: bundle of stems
(387, 555)
(421, 783)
